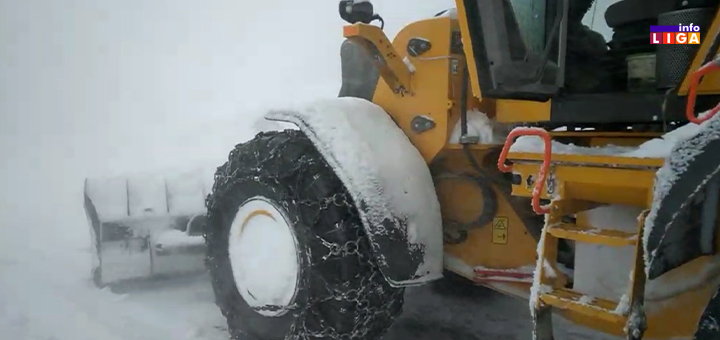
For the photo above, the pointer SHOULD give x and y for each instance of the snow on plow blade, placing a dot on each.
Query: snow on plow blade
(147, 226)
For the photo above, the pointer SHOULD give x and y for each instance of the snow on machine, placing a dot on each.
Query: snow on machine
(503, 141)
(146, 226)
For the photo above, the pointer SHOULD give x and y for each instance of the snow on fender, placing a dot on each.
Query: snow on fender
(387, 178)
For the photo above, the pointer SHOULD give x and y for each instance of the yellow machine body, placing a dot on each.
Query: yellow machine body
(431, 84)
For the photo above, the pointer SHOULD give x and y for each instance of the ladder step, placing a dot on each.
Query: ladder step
(608, 237)
(572, 301)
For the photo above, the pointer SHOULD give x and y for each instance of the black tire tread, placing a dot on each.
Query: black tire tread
(343, 295)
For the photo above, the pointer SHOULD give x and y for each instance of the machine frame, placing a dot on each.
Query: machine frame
(436, 70)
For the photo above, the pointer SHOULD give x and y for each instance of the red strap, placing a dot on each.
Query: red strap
(547, 153)
(692, 92)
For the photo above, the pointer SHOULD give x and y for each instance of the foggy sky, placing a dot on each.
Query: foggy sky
(102, 87)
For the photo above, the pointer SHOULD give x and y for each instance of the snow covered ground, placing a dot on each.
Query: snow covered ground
(38, 302)
(51, 299)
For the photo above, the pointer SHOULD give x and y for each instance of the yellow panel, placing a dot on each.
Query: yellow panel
(504, 243)
(603, 141)
(512, 111)
(605, 134)
(608, 161)
(593, 138)
(518, 249)
(390, 65)
(477, 147)
(434, 85)
(591, 184)
(468, 49)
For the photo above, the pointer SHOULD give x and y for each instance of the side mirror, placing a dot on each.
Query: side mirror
(354, 11)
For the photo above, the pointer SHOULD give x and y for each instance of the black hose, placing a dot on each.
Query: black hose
(463, 103)
(382, 21)
(487, 213)
(489, 206)
(464, 121)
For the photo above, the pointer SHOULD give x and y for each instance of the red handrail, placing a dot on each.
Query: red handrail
(547, 153)
(692, 92)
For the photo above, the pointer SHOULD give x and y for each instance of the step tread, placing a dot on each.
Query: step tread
(570, 300)
(607, 237)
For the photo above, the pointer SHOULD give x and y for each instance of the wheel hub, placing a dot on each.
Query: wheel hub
(264, 258)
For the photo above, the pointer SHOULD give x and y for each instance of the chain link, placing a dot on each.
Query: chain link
(371, 286)
(365, 312)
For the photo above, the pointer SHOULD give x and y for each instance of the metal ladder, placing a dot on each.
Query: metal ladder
(549, 283)
(631, 320)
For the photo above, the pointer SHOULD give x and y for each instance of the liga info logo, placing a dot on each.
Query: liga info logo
(680, 34)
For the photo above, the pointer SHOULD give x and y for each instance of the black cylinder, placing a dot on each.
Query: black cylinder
(673, 60)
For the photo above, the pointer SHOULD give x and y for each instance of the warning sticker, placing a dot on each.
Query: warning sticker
(499, 230)
(454, 66)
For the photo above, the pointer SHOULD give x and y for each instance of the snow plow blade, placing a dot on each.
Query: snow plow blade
(146, 226)
(682, 223)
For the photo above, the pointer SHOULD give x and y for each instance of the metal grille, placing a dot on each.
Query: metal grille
(673, 60)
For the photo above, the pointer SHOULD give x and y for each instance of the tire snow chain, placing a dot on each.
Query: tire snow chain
(360, 248)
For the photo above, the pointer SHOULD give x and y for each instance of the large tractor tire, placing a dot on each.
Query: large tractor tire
(287, 252)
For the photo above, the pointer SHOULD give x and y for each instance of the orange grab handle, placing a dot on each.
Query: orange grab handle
(692, 92)
(547, 153)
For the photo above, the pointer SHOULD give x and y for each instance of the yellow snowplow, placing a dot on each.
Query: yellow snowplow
(146, 226)
(504, 141)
